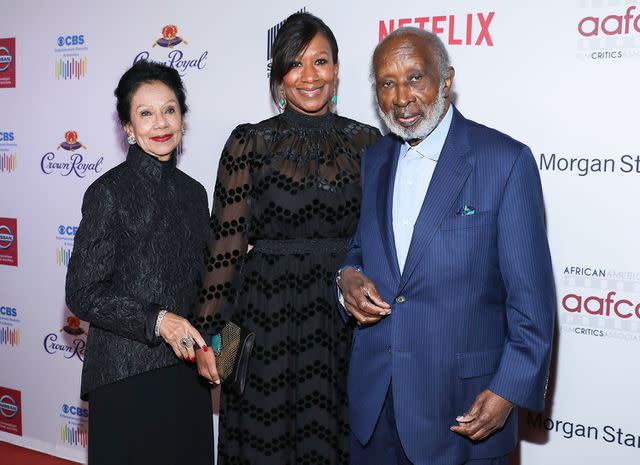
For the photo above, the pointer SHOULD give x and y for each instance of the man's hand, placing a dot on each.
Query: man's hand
(361, 298)
(207, 365)
(486, 416)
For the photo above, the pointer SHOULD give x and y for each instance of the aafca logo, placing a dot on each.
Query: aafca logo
(611, 25)
(609, 33)
(165, 52)
(10, 411)
(599, 301)
(71, 161)
(70, 340)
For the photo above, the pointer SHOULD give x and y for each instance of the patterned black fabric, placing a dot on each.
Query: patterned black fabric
(289, 178)
(139, 248)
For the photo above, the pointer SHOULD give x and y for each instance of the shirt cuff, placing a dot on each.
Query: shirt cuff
(150, 324)
(341, 298)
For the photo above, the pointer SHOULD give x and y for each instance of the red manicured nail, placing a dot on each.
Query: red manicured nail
(193, 359)
(205, 348)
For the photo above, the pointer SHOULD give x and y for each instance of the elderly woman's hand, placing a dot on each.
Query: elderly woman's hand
(173, 329)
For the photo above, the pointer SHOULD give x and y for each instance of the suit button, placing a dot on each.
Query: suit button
(401, 299)
(388, 349)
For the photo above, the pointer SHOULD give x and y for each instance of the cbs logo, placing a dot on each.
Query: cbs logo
(6, 136)
(8, 311)
(67, 230)
(77, 411)
(70, 40)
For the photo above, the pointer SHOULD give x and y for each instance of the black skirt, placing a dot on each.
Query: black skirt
(161, 417)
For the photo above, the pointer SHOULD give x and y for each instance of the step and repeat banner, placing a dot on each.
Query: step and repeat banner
(560, 76)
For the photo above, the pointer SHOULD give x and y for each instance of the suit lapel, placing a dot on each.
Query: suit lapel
(385, 206)
(448, 179)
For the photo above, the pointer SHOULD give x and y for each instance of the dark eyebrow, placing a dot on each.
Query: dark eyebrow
(165, 103)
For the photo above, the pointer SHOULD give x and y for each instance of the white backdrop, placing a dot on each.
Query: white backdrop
(560, 76)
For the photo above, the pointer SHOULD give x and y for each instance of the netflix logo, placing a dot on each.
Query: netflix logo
(472, 29)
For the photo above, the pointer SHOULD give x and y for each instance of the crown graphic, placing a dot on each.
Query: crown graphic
(73, 326)
(71, 141)
(170, 37)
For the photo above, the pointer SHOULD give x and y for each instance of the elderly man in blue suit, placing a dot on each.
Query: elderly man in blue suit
(449, 275)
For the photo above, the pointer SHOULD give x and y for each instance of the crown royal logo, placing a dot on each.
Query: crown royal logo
(170, 37)
(73, 326)
(75, 164)
(175, 58)
(71, 141)
(69, 347)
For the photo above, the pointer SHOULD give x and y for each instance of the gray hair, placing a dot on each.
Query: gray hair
(432, 40)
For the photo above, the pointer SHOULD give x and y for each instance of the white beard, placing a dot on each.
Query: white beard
(432, 115)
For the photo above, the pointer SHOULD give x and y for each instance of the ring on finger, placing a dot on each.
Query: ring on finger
(185, 342)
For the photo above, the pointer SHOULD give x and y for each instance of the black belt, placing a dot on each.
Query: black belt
(300, 246)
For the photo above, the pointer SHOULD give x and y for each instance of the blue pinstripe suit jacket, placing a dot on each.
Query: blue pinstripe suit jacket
(479, 295)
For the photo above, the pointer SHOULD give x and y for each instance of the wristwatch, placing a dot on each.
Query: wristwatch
(339, 274)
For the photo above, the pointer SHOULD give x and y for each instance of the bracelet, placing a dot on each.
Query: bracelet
(161, 315)
(339, 274)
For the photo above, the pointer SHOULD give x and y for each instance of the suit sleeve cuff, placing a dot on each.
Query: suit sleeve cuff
(150, 324)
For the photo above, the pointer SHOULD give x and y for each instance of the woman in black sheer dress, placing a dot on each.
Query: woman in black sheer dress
(289, 187)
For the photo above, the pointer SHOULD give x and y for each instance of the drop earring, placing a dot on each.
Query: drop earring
(334, 99)
(282, 102)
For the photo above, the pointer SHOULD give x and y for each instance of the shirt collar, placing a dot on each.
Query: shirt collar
(431, 146)
(142, 162)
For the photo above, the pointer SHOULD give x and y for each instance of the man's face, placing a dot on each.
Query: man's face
(412, 98)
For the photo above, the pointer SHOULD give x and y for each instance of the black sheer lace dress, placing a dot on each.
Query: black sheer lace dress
(290, 187)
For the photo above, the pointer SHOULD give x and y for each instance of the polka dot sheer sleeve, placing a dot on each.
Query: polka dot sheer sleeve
(230, 220)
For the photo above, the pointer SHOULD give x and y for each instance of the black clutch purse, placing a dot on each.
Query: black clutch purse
(233, 347)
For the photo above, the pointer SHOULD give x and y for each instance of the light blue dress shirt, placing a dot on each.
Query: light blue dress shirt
(415, 169)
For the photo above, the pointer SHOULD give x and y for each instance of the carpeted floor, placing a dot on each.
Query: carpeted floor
(14, 455)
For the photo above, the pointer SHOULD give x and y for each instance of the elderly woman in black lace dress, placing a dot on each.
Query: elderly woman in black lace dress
(290, 187)
(133, 275)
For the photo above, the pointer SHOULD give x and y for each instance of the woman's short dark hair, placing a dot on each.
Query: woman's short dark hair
(294, 36)
(142, 72)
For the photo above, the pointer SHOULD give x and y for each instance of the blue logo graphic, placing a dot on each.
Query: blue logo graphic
(67, 230)
(70, 40)
(8, 312)
(75, 411)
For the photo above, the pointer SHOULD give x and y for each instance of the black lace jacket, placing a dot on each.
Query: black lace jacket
(140, 248)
